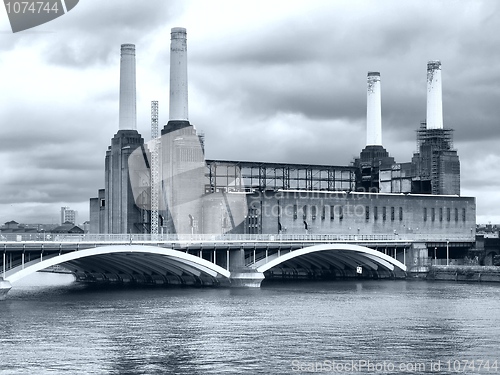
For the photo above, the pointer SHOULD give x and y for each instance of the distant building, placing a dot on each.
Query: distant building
(67, 228)
(12, 230)
(10, 225)
(68, 215)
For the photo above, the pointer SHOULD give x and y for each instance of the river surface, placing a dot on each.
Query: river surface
(394, 326)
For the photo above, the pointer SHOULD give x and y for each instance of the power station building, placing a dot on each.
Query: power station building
(374, 195)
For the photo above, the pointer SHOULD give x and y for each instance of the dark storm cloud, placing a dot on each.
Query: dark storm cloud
(316, 67)
(96, 33)
(291, 90)
(60, 188)
(301, 69)
(51, 174)
(65, 131)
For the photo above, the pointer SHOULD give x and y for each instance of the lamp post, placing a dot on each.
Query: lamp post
(447, 252)
(221, 218)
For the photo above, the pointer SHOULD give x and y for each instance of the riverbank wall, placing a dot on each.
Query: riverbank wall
(465, 273)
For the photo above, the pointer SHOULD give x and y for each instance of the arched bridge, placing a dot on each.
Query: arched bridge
(224, 260)
(128, 263)
(334, 259)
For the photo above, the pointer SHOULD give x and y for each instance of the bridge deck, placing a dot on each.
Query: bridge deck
(113, 256)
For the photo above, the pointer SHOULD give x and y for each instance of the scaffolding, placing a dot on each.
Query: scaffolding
(437, 160)
(245, 176)
(155, 169)
(438, 139)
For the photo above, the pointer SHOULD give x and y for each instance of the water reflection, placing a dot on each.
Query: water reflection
(82, 329)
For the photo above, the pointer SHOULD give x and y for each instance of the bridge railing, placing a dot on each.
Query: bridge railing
(101, 238)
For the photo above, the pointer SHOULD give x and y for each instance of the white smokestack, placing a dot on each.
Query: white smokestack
(178, 75)
(128, 118)
(373, 111)
(434, 96)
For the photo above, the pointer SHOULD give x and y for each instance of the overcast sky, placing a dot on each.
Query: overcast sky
(281, 81)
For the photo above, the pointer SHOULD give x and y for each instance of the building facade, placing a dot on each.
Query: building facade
(375, 195)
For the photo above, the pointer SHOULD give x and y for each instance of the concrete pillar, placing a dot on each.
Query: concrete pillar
(246, 279)
(373, 110)
(418, 260)
(434, 96)
(236, 260)
(242, 276)
(178, 75)
(128, 117)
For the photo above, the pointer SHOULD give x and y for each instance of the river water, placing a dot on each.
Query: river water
(351, 327)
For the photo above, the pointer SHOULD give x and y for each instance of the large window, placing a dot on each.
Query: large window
(400, 213)
(425, 213)
(367, 213)
(392, 214)
(384, 213)
(433, 214)
(375, 213)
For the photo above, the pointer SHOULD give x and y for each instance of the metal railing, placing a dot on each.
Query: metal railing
(144, 238)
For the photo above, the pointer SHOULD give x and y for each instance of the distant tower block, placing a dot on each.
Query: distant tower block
(373, 111)
(434, 96)
(128, 118)
(178, 75)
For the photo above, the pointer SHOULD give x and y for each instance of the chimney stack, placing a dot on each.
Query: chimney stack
(178, 75)
(128, 118)
(373, 111)
(434, 96)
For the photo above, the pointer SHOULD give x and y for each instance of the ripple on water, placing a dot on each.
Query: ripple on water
(72, 328)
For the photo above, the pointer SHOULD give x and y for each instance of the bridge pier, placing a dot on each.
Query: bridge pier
(242, 276)
(246, 278)
(5, 286)
(418, 260)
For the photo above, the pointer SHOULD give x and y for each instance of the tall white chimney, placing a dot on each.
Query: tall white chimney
(434, 96)
(373, 111)
(178, 75)
(128, 118)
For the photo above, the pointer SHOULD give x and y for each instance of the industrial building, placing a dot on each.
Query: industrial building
(192, 195)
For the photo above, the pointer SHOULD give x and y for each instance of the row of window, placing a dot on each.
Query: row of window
(356, 210)
(253, 221)
(190, 154)
(441, 214)
(386, 213)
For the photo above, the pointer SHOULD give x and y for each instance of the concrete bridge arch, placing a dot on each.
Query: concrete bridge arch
(129, 263)
(339, 257)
